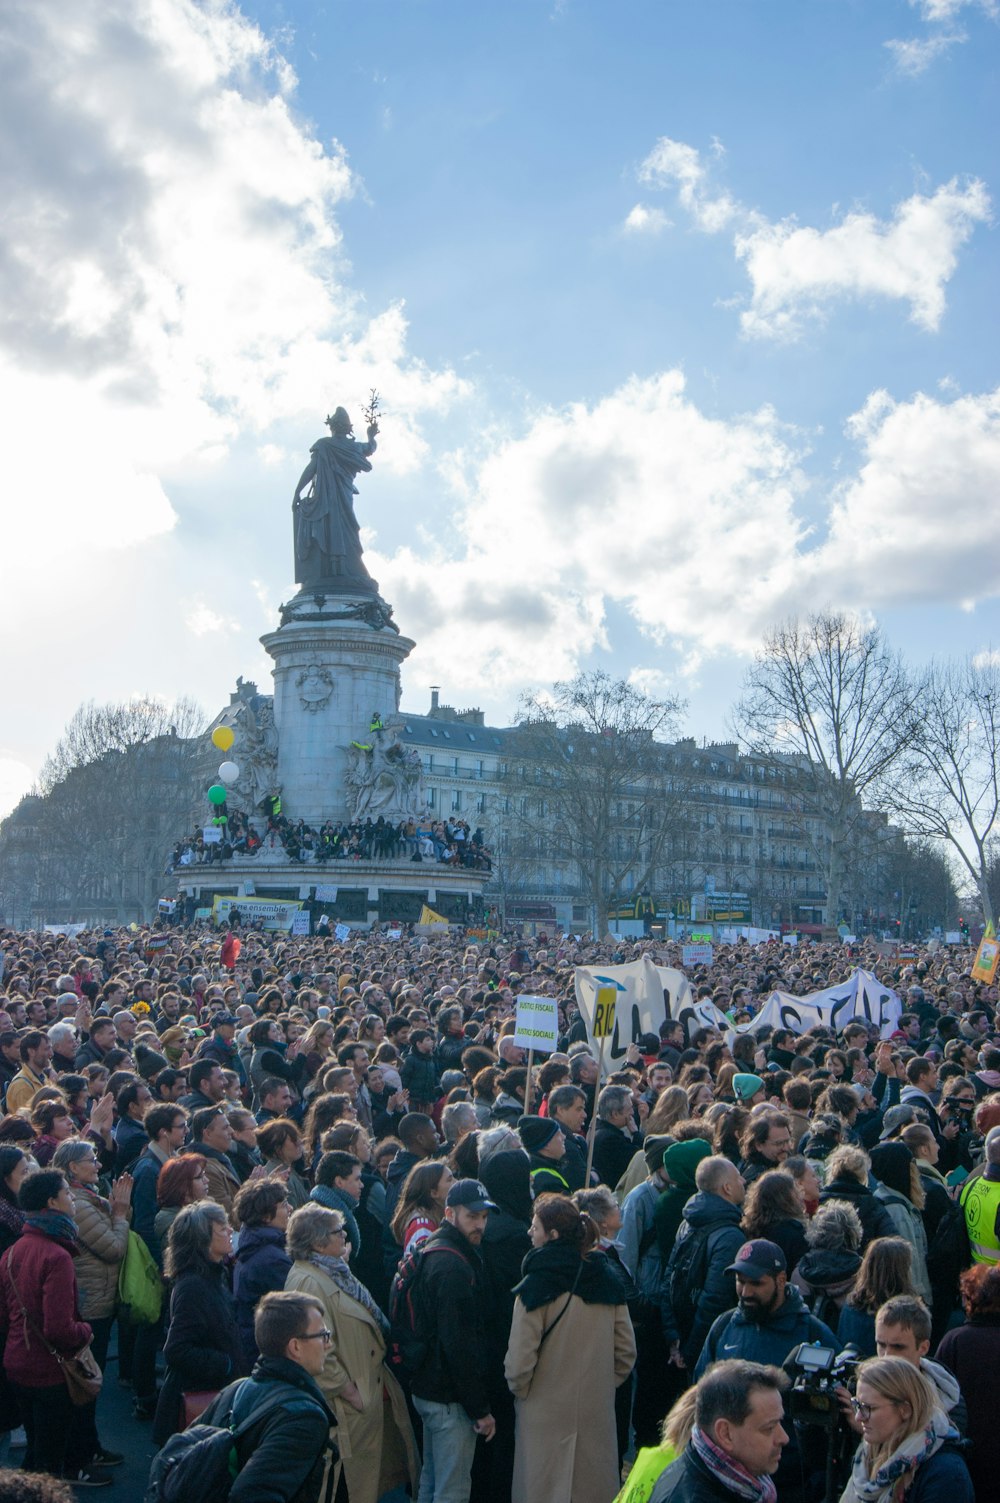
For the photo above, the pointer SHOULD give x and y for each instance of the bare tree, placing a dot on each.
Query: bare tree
(117, 791)
(947, 786)
(589, 772)
(829, 701)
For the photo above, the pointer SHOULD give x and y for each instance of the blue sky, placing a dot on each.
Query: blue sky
(684, 315)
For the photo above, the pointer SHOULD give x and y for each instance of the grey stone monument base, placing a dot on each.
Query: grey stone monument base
(336, 657)
(359, 893)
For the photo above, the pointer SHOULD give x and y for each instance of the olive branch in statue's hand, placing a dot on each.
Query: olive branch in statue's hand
(371, 412)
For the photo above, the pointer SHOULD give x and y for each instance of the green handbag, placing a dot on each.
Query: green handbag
(140, 1286)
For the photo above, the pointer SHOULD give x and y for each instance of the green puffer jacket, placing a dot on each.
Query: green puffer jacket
(103, 1242)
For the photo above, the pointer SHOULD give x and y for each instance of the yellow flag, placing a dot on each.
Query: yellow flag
(984, 967)
(428, 916)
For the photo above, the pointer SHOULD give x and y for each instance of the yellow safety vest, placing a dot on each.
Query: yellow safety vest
(980, 1200)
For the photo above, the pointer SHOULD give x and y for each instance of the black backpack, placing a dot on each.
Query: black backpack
(409, 1336)
(200, 1464)
(688, 1266)
(949, 1251)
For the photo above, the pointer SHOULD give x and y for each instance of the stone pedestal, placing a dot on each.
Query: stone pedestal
(336, 665)
(359, 893)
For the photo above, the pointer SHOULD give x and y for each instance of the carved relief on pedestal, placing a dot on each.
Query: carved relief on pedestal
(315, 686)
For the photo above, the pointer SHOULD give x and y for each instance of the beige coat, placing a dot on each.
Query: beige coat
(103, 1245)
(223, 1183)
(376, 1445)
(566, 1448)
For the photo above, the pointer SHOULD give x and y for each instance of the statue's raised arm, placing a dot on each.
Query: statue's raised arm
(327, 540)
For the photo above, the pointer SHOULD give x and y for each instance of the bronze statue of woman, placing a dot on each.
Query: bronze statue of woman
(327, 539)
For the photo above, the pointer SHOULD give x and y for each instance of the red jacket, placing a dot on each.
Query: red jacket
(46, 1281)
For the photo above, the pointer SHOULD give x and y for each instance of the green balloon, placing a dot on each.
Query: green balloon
(216, 794)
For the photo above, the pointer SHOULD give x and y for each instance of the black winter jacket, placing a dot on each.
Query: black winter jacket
(451, 1296)
(875, 1219)
(202, 1349)
(614, 1150)
(282, 1459)
(705, 1212)
(688, 1480)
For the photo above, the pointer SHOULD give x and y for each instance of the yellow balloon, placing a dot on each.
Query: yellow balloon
(222, 737)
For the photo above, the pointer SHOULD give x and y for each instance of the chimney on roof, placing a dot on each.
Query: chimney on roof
(435, 691)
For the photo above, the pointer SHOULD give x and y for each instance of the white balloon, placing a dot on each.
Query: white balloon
(229, 772)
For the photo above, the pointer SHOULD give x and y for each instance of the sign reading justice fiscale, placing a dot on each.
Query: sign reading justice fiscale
(536, 1024)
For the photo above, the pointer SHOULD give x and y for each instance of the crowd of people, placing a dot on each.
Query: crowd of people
(310, 1189)
(449, 841)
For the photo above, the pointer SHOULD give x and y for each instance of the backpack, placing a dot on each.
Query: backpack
(949, 1248)
(688, 1266)
(200, 1464)
(409, 1336)
(140, 1286)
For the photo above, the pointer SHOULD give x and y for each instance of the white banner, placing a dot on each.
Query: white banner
(326, 892)
(536, 1024)
(862, 996)
(69, 930)
(342, 932)
(692, 955)
(300, 922)
(647, 996)
(272, 914)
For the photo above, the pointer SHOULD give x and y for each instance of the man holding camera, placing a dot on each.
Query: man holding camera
(770, 1320)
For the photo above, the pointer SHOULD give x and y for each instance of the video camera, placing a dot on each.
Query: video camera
(817, 1372)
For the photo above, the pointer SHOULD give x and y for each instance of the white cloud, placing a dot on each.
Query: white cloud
(674, 163)
(170, 266)
(797, 272)
(912, 56)
(642, 220)
(202, 621)
(693, 525)
(913, 524)
(653, 682)
(946, 10)
(642, 499)
(178, 314)
(988, 658)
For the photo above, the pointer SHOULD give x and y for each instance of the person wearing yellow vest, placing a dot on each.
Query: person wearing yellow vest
(35, 1071)
(980, 1200)
(543, 1140)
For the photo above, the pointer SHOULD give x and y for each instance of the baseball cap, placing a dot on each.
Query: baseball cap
(895, 1118)
(470, 1195)
(220, 1019)
(759, 1259)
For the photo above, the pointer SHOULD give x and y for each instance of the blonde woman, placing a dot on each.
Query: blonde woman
(374, 1435)
(908, 1442)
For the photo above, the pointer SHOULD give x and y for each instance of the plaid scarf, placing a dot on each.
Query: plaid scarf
(728, 1471)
